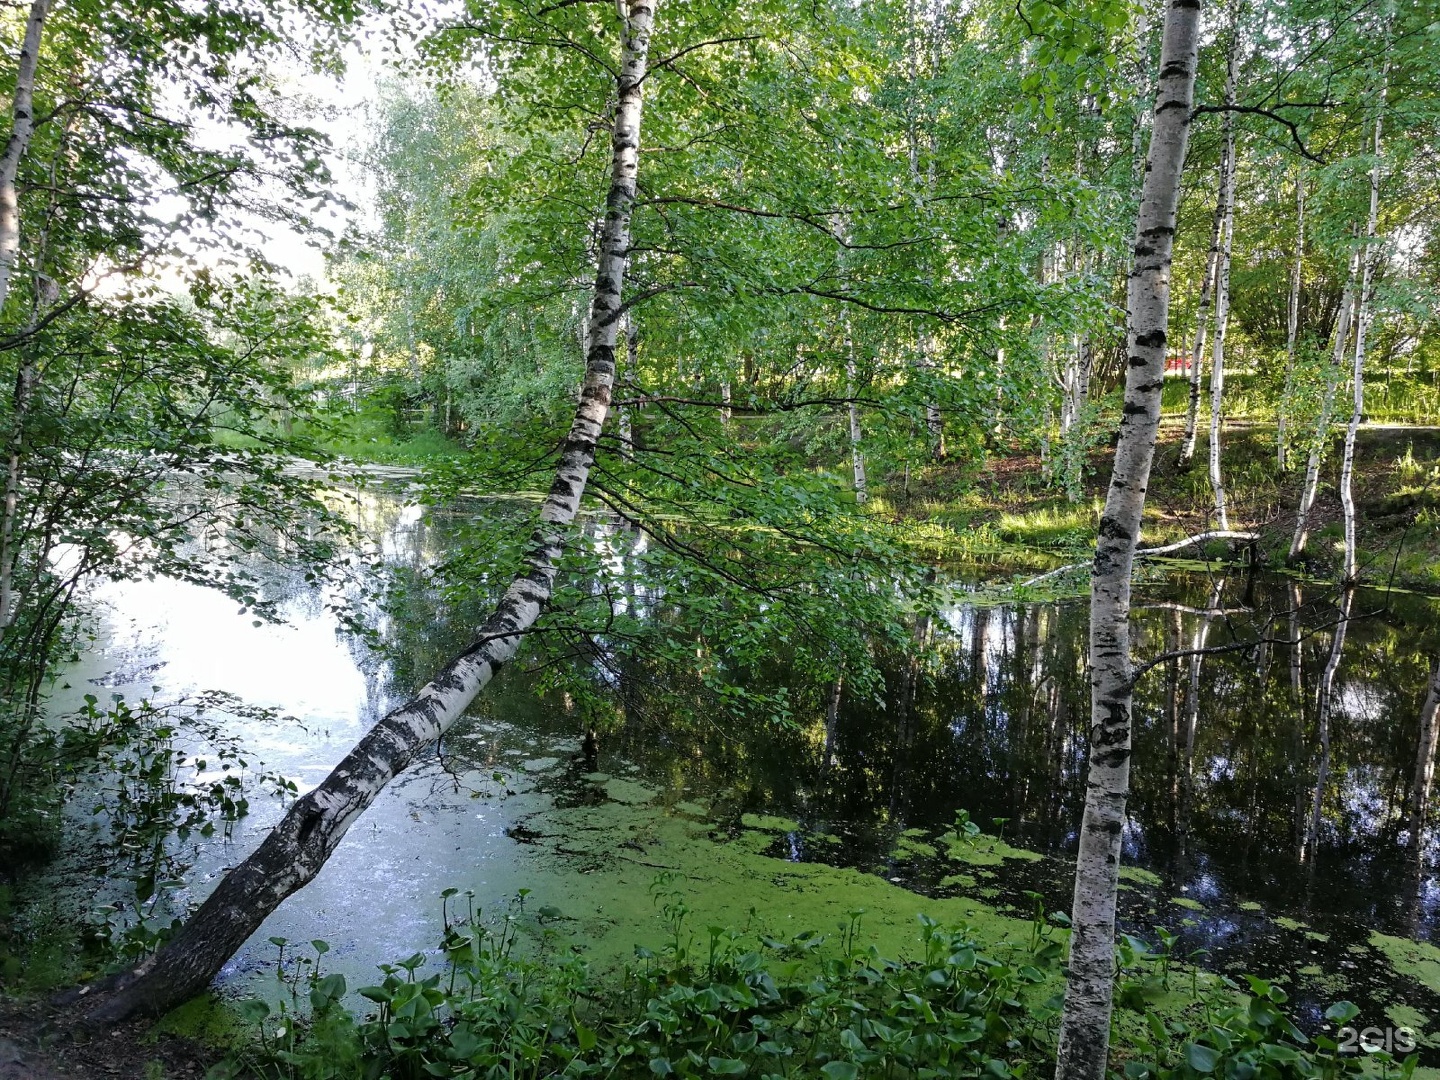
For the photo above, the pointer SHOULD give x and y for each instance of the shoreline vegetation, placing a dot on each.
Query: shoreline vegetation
(1007, 514)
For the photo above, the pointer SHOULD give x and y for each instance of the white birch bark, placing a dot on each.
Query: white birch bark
(1292, 329)
(1362, 325)
(934, 419)
(1327, 411)
(1222, 287)
(21, 129)
(832, 721)
(857, 454)
(1202, 324)
(304, 839)
(1084, 1038)
(627, 378)
(725, 405)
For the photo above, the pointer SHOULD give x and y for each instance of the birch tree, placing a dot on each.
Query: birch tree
(1085, 1024)
(1321, 436)
(310, 831)
(1222, 280)
(1292, 324)
(1202, 323)
(1364, 313)
(22, 127)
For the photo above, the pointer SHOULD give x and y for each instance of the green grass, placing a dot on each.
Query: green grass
(423, 448)
(1391, 397)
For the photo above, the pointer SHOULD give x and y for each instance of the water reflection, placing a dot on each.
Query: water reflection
(1246, 792)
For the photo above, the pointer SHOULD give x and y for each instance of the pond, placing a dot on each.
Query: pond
(854, 806)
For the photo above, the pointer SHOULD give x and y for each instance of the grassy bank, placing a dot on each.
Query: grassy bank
(1014, 517)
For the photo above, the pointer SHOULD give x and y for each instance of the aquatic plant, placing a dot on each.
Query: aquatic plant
(809, 1005)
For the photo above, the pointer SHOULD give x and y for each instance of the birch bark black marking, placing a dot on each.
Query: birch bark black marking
(1084, 1039)
(304, 839)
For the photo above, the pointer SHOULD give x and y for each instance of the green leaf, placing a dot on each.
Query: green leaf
(1342, 1012)
(1201, 1058)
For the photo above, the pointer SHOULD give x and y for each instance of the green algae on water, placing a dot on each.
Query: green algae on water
(1418, 959)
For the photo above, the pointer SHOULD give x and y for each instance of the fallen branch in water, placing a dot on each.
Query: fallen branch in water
(1164, 549)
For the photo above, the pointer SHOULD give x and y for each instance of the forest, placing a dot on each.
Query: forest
(773, 538)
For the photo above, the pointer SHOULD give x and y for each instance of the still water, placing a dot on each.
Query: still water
(986, 715)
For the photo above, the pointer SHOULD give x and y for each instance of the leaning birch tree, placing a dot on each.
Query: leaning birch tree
(1085, 1024)
(300, 844)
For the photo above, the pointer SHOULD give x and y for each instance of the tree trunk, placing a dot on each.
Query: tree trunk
(627, 381)
(1362, 325)
(1222, 287)
(1327, 410)
(934, 419)
(1293, 323)
(1202, 323)
(832, 721)
(304, 839)
(22, 127)
(857, 455)
(1085, 1024)
(1424, 760)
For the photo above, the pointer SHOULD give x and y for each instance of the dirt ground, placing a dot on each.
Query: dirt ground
(38, 1043)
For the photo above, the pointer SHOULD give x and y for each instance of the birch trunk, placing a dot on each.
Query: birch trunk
(1202, 324)
(1324, 707)
(857, 455)
(304, 839)
(1292, 333)
(1424, 760)
(832, 721)
(934, 419)
(1085, 1024)
(627, 379)
(21, 129)
(1362, 325)
(1222, 288)
(1327, 410)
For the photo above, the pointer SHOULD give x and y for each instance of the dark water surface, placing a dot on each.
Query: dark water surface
(986, 715)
